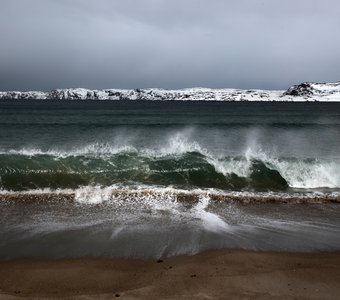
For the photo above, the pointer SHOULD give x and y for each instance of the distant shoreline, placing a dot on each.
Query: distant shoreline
(323, 92)
(213, 274)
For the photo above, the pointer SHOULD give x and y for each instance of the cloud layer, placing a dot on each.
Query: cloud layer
(272, 44)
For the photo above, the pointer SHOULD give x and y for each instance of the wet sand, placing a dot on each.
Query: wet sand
(220, 274)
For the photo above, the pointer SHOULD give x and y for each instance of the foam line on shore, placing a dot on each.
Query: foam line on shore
(98, 195)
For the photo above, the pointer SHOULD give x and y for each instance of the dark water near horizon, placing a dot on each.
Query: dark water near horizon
(89, 149)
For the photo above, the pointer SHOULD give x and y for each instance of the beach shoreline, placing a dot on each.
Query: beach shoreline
(214, 274)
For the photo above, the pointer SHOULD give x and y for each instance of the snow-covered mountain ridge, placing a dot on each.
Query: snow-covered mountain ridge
(307, 91)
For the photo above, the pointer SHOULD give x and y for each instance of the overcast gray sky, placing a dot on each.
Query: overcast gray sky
(47, 44)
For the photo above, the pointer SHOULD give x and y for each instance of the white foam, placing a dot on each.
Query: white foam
(306, 175)
(298, 173)
(155, 201)
(156, 196)
(93, 194)
(176, 144)
(95, 149)
(210, 221)
(239, 167)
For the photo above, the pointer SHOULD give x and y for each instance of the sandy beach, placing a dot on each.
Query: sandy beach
(220, 274)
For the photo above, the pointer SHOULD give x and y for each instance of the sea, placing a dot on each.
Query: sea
(151, 179)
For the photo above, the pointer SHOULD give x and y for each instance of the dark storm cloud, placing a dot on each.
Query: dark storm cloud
(49, 44)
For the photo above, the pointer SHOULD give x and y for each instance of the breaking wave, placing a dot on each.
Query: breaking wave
(179, 164)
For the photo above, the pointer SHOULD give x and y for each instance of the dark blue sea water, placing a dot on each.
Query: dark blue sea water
(140, 178)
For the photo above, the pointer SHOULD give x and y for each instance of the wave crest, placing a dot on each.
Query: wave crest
(179, 162)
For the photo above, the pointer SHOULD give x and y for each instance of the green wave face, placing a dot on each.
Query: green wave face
(187, 170)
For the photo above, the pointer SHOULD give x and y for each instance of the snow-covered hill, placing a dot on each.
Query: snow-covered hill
(302, 92)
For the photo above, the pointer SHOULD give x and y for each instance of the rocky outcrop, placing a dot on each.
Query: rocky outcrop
(314, 90)
(303, 89)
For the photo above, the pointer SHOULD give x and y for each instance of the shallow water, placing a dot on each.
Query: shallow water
(160, 227)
